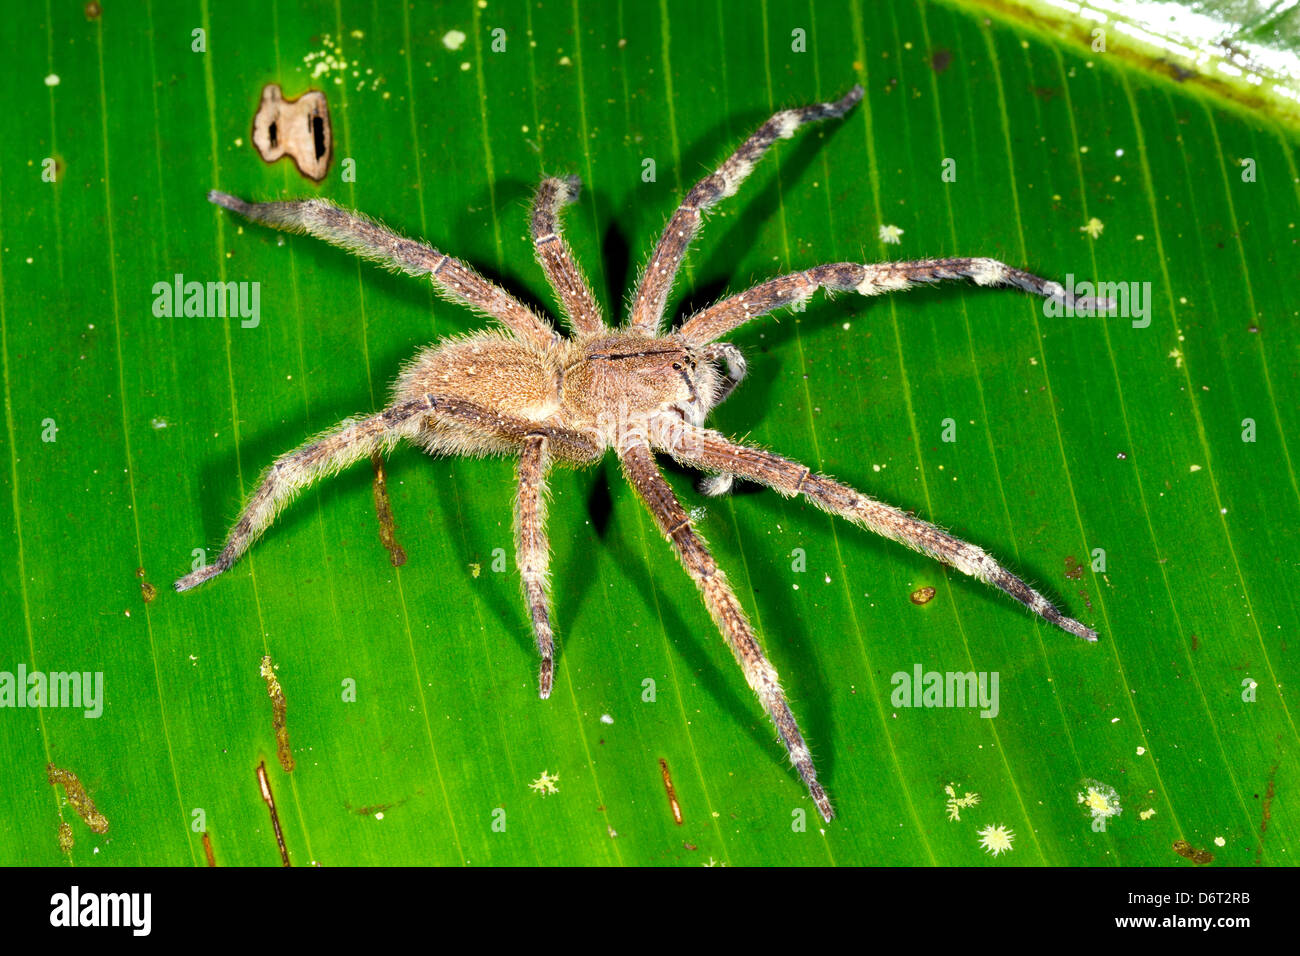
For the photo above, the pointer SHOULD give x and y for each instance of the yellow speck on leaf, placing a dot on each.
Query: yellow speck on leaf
(997, 839)
(957, 804)
(545, 784)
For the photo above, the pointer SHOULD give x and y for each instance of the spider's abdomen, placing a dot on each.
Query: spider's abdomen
(489, 369)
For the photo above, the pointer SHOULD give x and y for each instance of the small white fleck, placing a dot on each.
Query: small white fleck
(606, 719)
(1220, 841)
(453, 39)
(890, 235)
(1100, 800)
(52, 80)
(1141, 751)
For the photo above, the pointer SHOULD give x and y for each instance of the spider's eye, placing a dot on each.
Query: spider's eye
(677, 366)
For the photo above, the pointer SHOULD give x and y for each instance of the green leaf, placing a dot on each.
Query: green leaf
(1074, 436)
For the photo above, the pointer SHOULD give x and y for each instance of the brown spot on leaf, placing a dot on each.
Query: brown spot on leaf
(941, 60)
(1267, 810)
(78, 799)
(1189, 852)
(672, 792)
(384, 510)
(299, 129)
(264, 784)
(922, 596)
(279, 715)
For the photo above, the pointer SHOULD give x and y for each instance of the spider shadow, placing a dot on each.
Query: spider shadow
(616, 253)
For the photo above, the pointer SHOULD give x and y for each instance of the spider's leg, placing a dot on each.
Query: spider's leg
(639, 466)
(705, 448)
(556, 258)
(660, 273)
(720, 318)
(532, 551)
(364, 237)
(351, 440)
(332, 450)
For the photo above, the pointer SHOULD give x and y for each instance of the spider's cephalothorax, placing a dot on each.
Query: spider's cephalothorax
(525, 390)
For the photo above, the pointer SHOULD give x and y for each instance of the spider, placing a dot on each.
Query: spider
(525, 390)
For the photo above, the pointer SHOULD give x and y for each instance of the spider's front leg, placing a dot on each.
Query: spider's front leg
(661, 271)
(705, 448)
(717, 320)
(639, 466)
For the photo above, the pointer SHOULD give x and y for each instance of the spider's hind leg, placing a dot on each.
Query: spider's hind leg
(371, 240)
(344, 444)
(532, 552)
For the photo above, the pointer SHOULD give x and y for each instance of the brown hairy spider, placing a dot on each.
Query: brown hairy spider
(525, 390)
